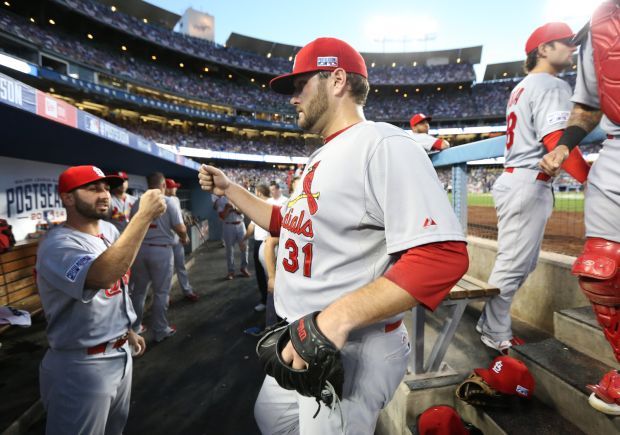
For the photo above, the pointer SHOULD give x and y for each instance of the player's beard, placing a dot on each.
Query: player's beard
(90, 210)
(317, 106)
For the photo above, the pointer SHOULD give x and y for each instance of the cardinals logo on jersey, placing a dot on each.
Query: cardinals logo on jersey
(307, 194)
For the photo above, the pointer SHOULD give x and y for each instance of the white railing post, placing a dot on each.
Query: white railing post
(459, 193)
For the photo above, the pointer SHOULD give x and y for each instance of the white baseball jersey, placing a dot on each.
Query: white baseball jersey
(538, 105)
(121, 210)
(425, 140)
(602, 200)
(280, 201)
(368, 193)
(80, 317)
(586, 87)
(161, 229)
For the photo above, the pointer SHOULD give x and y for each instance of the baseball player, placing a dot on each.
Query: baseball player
(121, 203)
(536, 115)
(234, 234)
(178, 249)
(419, 131)
(155, 262)
(276, 193)
(596, 98)
(82, 275)
(357, 242)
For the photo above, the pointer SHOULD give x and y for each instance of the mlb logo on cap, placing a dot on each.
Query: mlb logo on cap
(327, 61)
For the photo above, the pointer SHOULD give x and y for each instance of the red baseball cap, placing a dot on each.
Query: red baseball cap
(417, 118)
(121, 174)
(441, 420)
(170, 183)
(322, 54)
(547, 33)
(77, 176)
(509, 376)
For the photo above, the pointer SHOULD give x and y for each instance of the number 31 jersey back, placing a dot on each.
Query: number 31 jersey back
(538, 105)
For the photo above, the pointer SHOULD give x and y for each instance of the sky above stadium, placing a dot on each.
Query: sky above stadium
(501, 27)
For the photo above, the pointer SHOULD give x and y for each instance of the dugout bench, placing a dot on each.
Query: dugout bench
(468, 289)
(18, 287)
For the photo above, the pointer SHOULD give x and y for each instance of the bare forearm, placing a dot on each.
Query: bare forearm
(255, 208)
(270, 257)
(379, 300)
(112, 264)
(584, 117)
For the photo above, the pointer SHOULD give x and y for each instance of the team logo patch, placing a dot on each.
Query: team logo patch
(557, 117)
(74, 270)
(98, 171)
(308, 195)
(331, 61)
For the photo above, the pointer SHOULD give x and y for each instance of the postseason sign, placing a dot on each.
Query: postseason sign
(29, 194)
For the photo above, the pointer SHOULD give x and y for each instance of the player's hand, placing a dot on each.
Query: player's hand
(152, 204)
(552, 162)
(184, 240)
(213, 180)
(292, 358)
(137, 342)
(445, 144)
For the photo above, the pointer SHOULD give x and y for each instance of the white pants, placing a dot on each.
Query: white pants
(523, 205)
(374, 365)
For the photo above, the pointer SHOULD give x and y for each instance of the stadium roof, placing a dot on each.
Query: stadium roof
(260, 46)
(505, 70)
(508, 70)
(142, 9)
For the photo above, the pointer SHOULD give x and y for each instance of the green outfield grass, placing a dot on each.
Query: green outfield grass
(563, 201)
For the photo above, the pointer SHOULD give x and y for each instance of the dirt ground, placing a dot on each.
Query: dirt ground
(564, 234)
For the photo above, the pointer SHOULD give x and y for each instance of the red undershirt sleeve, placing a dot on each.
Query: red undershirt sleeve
(437, 144)
(575, 164)
(276, 221)
(428, 272)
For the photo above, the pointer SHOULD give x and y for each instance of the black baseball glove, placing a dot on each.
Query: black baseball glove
(324, 377)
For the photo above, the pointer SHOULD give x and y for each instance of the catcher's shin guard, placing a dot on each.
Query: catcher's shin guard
(598, 269)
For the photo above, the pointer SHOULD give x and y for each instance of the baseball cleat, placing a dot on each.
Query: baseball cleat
(191, 296)
(170, 331)
(501, 346)
(230, 276)
(605, 395)
(245, 273)
(260, 307)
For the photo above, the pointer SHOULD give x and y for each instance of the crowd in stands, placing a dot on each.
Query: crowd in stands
(252, 61)
(487, 99)
(421, 74)
(251, 177)
(197, 137)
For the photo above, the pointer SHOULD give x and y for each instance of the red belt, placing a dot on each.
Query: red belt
(392, 326)
(233, 223)
(152, 226)
(541, 175)
(101, 348)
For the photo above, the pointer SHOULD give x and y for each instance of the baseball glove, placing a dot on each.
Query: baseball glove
(475, 391)
(324, 377)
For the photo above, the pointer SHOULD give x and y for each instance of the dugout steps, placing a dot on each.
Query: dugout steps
(561, 375)
(578, 329)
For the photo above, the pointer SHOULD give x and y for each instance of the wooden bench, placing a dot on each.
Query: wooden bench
(18, 287)
(468, 289)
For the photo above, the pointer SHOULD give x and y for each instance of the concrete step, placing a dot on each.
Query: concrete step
(578, 328)
(525, 417)
(561, 375)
